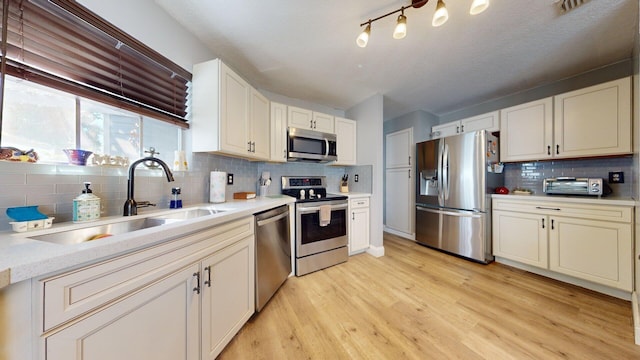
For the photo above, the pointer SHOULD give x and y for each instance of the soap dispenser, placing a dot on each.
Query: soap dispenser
(86, 207)
(176, 202)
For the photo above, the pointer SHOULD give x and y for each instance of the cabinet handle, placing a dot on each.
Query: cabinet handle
(409, 173)
(547, 208)
(253, 146)
(249, 146)
(557, 149)
(208, 270)
(353, 215)
(543, 223)
(311, 124)
(315, 124)
(409, 160)
(461, 128)
(285, 154)
(552, 222)
(457, 129)
(548, 149)
(197, 288)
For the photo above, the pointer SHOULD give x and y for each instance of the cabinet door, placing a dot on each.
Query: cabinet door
(526, 131)
(234, 112)
(278, 132)
(359, 228)
(228, 295)
(323, 122)
(398, 200)
(159, 322)
(299, 118)
(489, 121)
(598, 251)
(260, 126)
(520, 237)
(594, 121)
(444, 130)
(346, 137)
(399, 149)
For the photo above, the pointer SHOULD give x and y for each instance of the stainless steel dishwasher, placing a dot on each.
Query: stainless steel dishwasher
(273, 253)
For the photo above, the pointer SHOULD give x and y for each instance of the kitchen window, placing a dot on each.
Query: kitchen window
(49, 120)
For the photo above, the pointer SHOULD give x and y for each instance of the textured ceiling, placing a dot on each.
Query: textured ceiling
(307, 50)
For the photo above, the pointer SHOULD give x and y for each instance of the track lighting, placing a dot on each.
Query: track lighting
(401, 27)
(440, 16)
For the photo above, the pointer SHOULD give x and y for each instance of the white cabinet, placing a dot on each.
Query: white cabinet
(399, 149)
(307, 119)
(489, 121)
(594, 121)
(346, 138)
(229, 116)
(585, 241)
(526, 131)
(359, 225)
(228, 295)
(184, 299)
(278, 132)
(399, 209)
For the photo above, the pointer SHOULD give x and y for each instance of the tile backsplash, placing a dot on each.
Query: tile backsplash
(530, 175)
(52, 187)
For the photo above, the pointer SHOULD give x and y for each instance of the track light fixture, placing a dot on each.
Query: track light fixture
(439, 17)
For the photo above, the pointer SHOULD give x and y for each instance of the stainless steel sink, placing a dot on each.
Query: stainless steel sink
(100, 232)
(188, 214)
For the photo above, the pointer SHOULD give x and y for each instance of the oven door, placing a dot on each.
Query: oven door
(311, 238)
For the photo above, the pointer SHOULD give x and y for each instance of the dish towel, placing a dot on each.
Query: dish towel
(325, 215)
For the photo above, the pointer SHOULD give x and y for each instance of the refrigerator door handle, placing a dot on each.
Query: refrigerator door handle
(440, 176)
(445, 171)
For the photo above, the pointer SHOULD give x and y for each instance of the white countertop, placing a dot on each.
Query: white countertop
(22, 258)
(608, 200)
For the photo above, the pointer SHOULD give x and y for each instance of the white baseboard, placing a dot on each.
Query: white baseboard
(376, 251)
(400, 233)
(636, 315)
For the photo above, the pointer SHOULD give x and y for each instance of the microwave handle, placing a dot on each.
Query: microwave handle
(326, 142)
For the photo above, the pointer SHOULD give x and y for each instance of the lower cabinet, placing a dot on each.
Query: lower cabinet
(184, 299)
(359, 225)
(586, 241)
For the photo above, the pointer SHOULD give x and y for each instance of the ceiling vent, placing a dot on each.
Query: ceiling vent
(566, 5)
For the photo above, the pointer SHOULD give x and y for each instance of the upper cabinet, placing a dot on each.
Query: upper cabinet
(307, 119)
(489, 121)
(278, 132)
(229, 116)
(399, 149)
(594, 121)
(346, 138)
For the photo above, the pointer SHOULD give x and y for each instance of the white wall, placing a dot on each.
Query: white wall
(369, 117)
(150, 24)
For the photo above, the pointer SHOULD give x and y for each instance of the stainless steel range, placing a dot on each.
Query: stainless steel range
(321, 224)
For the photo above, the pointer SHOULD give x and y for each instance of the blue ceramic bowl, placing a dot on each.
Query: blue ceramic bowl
(77, 156)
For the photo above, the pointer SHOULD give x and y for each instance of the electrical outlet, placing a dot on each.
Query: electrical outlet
(229, 179)
(355, 178)
(616, 177)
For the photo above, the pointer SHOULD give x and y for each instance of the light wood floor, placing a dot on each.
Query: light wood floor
(417, 303)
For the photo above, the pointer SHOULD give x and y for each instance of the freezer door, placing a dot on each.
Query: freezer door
(464, 233)
(428, 170)
(428, 226)
(464, 171)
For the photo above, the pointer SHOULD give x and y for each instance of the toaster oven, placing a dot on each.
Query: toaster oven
(575, 186)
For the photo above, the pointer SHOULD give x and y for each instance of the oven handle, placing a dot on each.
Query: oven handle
(310, 209)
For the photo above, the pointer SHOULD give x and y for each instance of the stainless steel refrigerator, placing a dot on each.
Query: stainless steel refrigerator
(456, 177)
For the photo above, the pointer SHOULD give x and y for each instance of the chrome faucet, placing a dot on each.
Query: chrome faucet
(130, 206)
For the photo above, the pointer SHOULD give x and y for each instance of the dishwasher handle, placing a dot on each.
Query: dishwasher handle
(272, 219)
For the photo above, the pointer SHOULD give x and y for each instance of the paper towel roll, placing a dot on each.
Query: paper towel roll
(217, 186)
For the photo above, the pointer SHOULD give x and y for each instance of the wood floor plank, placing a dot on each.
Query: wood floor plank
(418, 303)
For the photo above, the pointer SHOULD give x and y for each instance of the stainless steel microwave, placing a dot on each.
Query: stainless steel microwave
(575, 186)
(309, 145)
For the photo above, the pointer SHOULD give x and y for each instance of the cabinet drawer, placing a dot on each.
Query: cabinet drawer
(623, 214)
(359, 203)
(77, 292)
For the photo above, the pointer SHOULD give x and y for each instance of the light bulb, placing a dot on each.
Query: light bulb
(363, 38)
(441, 15)
(401, 28)
(478, 6)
